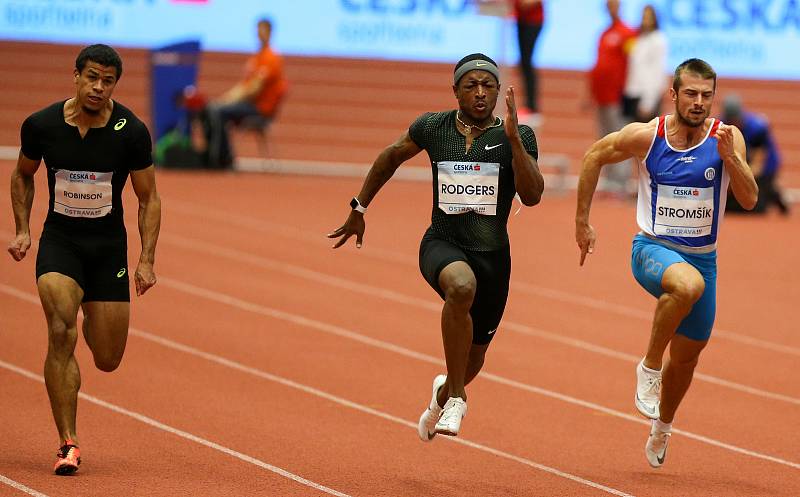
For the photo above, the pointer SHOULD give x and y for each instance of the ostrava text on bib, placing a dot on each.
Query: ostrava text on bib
(468, 186)
(82, 193)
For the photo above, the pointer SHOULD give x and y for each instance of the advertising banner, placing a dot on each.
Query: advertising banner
(743, 38)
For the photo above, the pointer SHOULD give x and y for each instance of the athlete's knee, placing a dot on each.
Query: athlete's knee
(107, 363)
(108, 355)
(62, 333)
(460, 290)
(689, 290)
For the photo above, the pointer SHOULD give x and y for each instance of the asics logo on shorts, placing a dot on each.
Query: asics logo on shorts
(120, 124)
(121, 273)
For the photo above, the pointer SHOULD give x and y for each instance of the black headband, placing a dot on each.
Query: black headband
(476, 64)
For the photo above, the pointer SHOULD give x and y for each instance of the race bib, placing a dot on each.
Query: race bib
(684, 211)
(82, 193)
(468, 186)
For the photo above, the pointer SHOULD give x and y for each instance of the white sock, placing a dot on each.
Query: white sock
(662, 426)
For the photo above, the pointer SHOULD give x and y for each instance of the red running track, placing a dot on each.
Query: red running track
(264, 363)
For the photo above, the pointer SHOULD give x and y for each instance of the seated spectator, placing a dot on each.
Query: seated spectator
(257, 94)
(762, 155)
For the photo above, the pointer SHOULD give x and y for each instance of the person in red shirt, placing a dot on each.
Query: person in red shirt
(258, 94)
(606, 85)
(530, 19)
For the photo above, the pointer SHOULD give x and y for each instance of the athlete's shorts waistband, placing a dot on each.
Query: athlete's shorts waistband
(706, 249)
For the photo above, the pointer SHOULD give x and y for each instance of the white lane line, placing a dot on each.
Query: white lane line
(523, 329)
(385, 255)
(373, 342)
(374, 291)
(19, 486)
(183, 434)
(359, 407)
(292, 384)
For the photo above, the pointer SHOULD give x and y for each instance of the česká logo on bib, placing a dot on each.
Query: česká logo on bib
(82, 193)
(468, 186)
(686, 211)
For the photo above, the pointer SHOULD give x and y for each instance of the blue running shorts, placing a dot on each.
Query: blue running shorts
(649, 260)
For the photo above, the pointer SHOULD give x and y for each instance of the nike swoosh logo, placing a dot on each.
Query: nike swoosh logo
(663, 456)
(492, 332)
(478, 64)
(493, 146)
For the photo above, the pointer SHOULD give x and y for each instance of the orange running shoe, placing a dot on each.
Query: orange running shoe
(69, 458)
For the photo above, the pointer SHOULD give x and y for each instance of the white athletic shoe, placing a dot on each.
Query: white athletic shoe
(648, 392)
(656, 447)
(427, 422)
(450, 421)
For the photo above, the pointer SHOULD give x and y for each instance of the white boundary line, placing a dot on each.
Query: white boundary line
(359, 407)
(19, 486)
(374, 342)
(392, 256)
(291, 384)
(338, 331)
(342, 332)
(180, 433)
(373, 291)
(345, 333)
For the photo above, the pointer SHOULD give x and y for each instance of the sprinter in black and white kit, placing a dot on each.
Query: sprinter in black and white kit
(479, 162)
(90, 145)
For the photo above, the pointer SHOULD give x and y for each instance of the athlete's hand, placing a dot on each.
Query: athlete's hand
(724, 136)
(19, 246)
(585, 236)
(144, 278)
(511, 123)
(353, 226)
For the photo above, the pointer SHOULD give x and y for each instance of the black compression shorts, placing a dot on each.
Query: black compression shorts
(97, 262)
(492, 272)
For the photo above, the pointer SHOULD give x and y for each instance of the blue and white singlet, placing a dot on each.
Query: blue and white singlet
(682, 193)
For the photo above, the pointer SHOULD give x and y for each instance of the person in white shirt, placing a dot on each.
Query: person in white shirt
(646, 82)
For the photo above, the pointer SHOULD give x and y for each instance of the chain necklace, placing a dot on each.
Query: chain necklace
(468, 127)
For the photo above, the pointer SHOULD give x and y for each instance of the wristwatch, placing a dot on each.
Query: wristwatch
(356, 206)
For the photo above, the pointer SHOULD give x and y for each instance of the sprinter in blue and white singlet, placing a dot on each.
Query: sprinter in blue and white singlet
(687, 161)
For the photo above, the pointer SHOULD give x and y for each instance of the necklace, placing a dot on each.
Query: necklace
(468, 127)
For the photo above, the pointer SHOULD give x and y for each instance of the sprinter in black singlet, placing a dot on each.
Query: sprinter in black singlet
(90, 144)
(480, 162)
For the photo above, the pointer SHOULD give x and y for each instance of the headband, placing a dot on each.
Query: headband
(476, 64)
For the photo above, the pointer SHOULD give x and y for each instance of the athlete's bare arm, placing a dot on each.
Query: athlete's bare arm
(631, 141)
(732, 150)
(22, 189)
(144, 185)
(528, 180)
(382, 169)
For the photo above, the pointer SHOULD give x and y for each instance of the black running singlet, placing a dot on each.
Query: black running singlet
(85, 176)
(473, 191)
